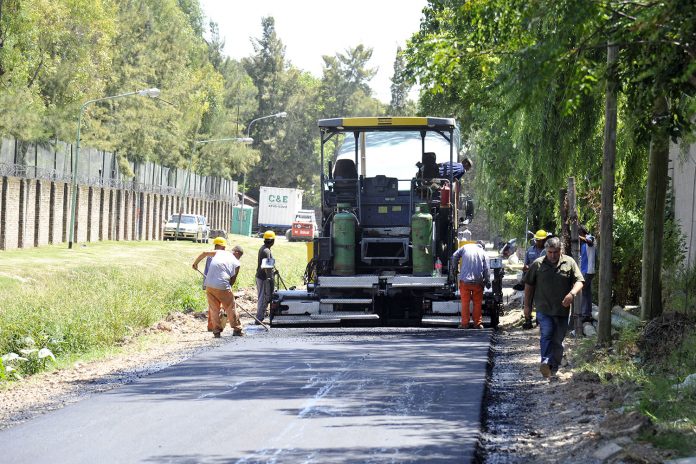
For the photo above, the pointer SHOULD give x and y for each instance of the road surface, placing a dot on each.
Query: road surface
(289, 396)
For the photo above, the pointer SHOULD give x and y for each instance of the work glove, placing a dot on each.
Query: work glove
(527, 323)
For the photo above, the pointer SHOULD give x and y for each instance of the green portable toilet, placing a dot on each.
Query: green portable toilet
(241, 221)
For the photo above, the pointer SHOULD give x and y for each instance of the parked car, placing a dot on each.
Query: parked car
(190, 228)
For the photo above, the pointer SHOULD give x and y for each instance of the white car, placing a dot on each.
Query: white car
(190, 228)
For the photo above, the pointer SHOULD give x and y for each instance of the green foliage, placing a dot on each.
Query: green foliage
(680, 288)
(526, 80)
(626, 256)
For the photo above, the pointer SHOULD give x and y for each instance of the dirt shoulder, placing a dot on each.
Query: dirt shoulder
(572, 418)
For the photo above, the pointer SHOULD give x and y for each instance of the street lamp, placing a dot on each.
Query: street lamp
(245, 140)
(282, 114)
(152, 93)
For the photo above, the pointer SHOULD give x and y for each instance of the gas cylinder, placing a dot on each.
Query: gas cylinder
(421, 238)
(445, 195)
(344, 241)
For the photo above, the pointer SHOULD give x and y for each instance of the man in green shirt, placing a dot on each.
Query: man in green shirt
(551, 283)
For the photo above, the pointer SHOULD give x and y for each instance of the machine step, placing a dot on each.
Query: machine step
(346, 300)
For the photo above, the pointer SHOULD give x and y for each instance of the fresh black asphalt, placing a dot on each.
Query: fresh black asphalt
(289, 396)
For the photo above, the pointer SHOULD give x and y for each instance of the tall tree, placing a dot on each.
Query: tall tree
(400, 87)
(345, 86)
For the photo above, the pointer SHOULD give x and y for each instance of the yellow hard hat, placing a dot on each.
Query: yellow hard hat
(269, 235)
(219, 241)
(540, 234)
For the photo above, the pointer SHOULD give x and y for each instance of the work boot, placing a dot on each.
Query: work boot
(237, 333)
(216, 333)
(478, 326)
(545, 370)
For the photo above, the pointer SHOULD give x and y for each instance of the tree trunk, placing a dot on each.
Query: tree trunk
(606, 222)
(654, 226)
(575, 250)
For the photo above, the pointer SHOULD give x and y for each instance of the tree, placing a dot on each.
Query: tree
(525, 80)
(400, 87)
(345, 88)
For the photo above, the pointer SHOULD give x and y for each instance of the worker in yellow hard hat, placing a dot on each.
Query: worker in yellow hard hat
(264, 275)
(221, 273)
(536, 250)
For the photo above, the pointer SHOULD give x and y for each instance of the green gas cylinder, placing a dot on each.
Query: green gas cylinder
(343, 241)
(421, 238)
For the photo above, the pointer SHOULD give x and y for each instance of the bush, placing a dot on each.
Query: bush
(626, 256)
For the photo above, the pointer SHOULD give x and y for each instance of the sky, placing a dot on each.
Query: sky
(312, 28)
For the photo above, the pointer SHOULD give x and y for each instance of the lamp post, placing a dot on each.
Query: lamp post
(245, 140)
(152, 93)
(282, 114)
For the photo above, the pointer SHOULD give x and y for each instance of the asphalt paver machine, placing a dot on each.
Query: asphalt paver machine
(390, 208)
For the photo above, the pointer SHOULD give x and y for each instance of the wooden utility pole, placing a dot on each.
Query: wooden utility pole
(606, 220)
(565, 230)
(654, 223)
(575, 249)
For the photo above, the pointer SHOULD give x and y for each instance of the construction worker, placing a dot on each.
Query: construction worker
(219, 243)
(551, 284)
(222, 274)
(264, 275)
(536, 250)
(474, 274)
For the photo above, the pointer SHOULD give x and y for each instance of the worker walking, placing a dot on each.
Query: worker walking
(551, 284)
(264, 275)
(474, 274)
(222, 274)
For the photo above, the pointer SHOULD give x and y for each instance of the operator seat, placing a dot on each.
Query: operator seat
(430, 169)
(345, 180)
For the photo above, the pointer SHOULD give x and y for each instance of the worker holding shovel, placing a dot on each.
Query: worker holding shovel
(221, 275)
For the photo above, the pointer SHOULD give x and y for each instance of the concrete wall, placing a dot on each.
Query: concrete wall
(683, 173)
(37, 212)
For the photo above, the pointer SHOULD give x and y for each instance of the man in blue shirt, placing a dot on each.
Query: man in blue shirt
(587, 267)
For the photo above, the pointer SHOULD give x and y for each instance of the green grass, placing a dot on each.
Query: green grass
(86, 300)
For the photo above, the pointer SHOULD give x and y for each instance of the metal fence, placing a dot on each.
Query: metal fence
(53, 161)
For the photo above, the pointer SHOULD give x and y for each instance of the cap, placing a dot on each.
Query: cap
(540, 234)
(219, 241)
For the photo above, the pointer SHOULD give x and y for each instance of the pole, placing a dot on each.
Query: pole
(152, 93)
(73, 184)
(606, 222)
(184, 192)
(282, 114)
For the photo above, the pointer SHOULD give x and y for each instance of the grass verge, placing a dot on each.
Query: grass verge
(85, 300)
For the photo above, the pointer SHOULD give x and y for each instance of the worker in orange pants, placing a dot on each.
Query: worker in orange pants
(468, 293)
(474, 274)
